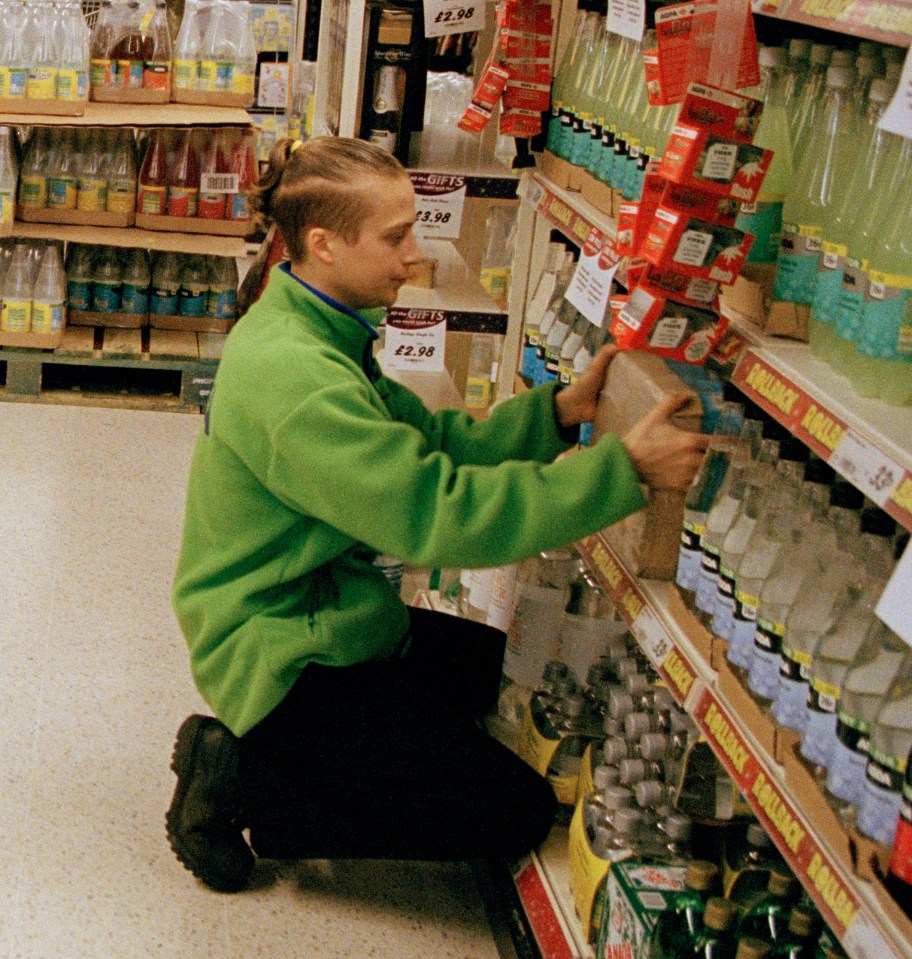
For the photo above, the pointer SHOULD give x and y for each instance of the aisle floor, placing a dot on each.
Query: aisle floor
(95, 683)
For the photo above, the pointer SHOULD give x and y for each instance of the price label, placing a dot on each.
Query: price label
(439, 201)
(627, 18)
(651, 636)
(415, 340)
(450, 16)
(532, 192)
(590, 287)
(862, 464)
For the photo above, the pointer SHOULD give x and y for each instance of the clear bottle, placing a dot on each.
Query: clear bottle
(561, 81)
(9, 176)
(799, 64)
(41, 82)
(544, 291)
(627, 138)
(497, 258)
(49, 293)
(812, 95)
(479, 375)
(73, 55)
(602, 157)
(33, 175)
(101, 41)
(137, 279)
(80, 273)
(156, 69)
(121, 196)
(540, 325)
(570, 121)
(601, 81)
(107, 285)
(166, 281)
(133, 45)
(221, 302)
(243, 69)
(219, 49)
(867, 684)
(183, 179)
(61, 181)
(194, 287)
(570, 348)
(13, 53)
(594, 56)
(92, 176)
(16, 315)
(573, 725)
(564, 320)
(153, 177)
(188, 47)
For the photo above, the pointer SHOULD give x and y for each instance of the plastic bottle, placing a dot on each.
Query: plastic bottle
(899, 877)
(243, 68)
(799, 64)
(134, 46)
(61, 181)
(219, 49)
(478, 377)
(214, 178)
(763, 218)
(183, 179)
(9, 176)
(166, 281)
(156, 69)
(867, 684)
(497, 258)
(153, 177)
(92, 176)
(221, 302)
(194, 287)
(603, 159)
(137, 279)
(561, 79)
(49, 293)
(767, 919)
(122, 175)
(16, 315)
(100, 43)
(79, 277)
(821, 175)
(107, 291)
(41, 82)
(187, 48)
(594, 56)
(582, 60)
(242, 162)
(13, 53)
(538, 304)
(613, 44)
(564, 321)
(74, 56)
(33, 175)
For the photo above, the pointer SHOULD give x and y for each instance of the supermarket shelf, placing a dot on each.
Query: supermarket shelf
(868, 442)
(137, 115)
(134, 237)
(575, 217)
(666, 632)
(885, 22)
(458, 296)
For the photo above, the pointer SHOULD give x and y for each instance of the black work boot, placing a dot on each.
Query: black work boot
(203, 823)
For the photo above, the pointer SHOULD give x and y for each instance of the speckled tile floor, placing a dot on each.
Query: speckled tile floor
(94, 685)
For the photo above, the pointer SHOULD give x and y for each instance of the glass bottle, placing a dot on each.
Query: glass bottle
(49, 293)
(9, 176)
(242, 163)
(187, 48)
(92, 177)
(16, 314)
(41, 83)
(122, 174)
(166, 281)
(101, 41)
(61, 182)
(213, 171)
(156, 68)
(136, 279)
(183, 179)
(153, 177)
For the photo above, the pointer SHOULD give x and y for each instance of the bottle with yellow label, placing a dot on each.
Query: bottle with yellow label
(16, 316)
(121, 197)
(41, 82)
(92, 176)
(74, 55)
(34, 173)
(8, 179)
(13, 70)
(62, 175)
(219, 49)
(243, 69)
(49, 293)
(100, 43)
(187, 46)
(480, 373)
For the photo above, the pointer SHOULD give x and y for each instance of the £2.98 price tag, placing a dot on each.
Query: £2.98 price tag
(875, 474)
(415, 340)
(439, 200)
(453, 16)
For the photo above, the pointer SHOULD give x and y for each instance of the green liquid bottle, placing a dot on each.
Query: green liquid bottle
(618, 117)
(561, 82)
(617, 74)
(841, 223)
(588, 102)
(763, 218)
(767, 919)
(570, 119)
(617, 48)
(821, 177)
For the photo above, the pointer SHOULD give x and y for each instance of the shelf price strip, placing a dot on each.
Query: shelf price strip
(671, 664)
(888, 22)
(870, 469)
(573, 225)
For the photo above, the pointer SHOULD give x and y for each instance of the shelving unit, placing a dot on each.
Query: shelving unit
(136, 115)
(885, 22)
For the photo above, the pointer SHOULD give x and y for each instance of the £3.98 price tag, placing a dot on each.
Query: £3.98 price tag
(439, 200)
(453, 16)
(415, 340)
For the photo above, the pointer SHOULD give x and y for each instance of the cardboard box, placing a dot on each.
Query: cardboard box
(54, 108)
(28, 214)
(788, 319)
(422, 275)
(872, 860)
(557, 170)
(191, 224)
(129, 95)
(647, 542)
(637, 894)
(575, 180)
(38, 341)
(746, 708)
(119, 321)
(599, 194)
(224, 98)
(190, 324)
(700, 637)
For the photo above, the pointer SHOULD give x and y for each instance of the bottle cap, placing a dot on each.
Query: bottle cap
(636, 683)
(701, 874)
(627, 820)
(802, 922)
(840, 77)
(637, 725)
(604, 777)
(720, 913)
(774, 57)
(781, 884)
(628, 666)
(617, 797)
(821, 53)
(632, 771)
(757, 836)
(597, 674)
(654, 746)
(846, 496)
(868, 67)
(610, 725)
(649, 793)
(619, 704)
(750, 948)
(614, 750)
(662, 698)
(678, 827)
(792, 449)
(875, 521)
(882, 90)
(817, 470)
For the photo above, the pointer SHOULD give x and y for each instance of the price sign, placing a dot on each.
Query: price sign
(415, 340)
(439, 201)
(590, 287)
(531, 191)
(451, 16)
(893, 607)
(866, 467)
(627, 18)
(651, 636)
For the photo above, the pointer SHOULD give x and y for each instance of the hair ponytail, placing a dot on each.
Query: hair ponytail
(259, 198)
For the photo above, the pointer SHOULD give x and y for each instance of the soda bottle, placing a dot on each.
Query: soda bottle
(763, 217)
(241, 162)
(74, 57)
(891, 740)
(607, 66)
(478, 378)
(899, 878)
(564, 320)
(749, 860)
(183, 179)
(570, 348)
(560, 82)
(33, 175)
(218, 51)
(498, 254)
(13, 54)
(603, 158)
(137, 279)
(187, 47)
(92, 176)
(803, 933)
(767, 919)
(582, 58)
(100, 44)
(153, 177)
(166, 281)
(799, 65)
(107, 287)
(594, 56)
(822, 172)
(132, 46)
(61, 181)
(839, 228)
(41, 82)
(9, 176)
(157, 66)
(221, 301)
(122, 174)
(547, 296)
(80, 274)
(867, 684)
(194, 287)
(677, 928)
(49, 293)
(867, 69)
(214, 178)
(243, 69)
(16, 315)
(717, 939)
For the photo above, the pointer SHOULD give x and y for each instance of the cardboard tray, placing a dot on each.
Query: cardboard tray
(746, 708)
(129, 95)
(192, 224)
(223, 99)
(599, 194)
(700, 637)
(38, 341)
(74, 217)
(190, 324)
(54, 108)
(558, 171)
(120, 321)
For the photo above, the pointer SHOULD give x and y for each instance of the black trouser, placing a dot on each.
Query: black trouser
(386, 759)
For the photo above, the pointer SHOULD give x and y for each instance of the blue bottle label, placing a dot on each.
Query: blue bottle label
(850, 302)
(79, 295)
(163, 301)
(830, 269)
(191, 301)
(107, 297)
(796, 274)
(886, 330)
(878, 811)
(135, 299)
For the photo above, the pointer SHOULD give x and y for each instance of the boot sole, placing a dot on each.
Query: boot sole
(181, 760)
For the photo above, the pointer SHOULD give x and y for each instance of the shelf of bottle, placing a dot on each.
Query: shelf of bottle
(665, 630)
(134, 237)
(566, 210)
(137, 115)
(885, 21)
(867, 441)
(458, 295)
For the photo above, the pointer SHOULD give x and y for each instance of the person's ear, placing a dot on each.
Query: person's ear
(320, 244)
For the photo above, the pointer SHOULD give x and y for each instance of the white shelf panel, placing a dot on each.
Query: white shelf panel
(137, 115)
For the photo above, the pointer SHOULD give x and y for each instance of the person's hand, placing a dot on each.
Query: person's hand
(576, 403)
(664, 456)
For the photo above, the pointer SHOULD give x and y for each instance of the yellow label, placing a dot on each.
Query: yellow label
(811, 232)
(41, 83)
(67, 85)
(797, 656)
(564, 788)
(4, 81)
(16, 316)
(535, 749)
(478, 392)
(185, 74)
(121, 196)
(7, 208)
(242, 82)
(33, 190)
(746, 599)
(897, 280)
(92, 195)
(835, 249)
(205, 81)
(587, 871)
(585, 783)
(826, 689)
(47, 317)
(146, 20)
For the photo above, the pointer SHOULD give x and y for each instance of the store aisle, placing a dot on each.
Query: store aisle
(95, 683)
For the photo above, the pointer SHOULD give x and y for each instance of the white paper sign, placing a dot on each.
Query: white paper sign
(452, 16)
(590, 287)
(897, 118)
(895, 605)
(651, 636)
(627, 18)
(415, 340)
(439, 201)
(863, 465)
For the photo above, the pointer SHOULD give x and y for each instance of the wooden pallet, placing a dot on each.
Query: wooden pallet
(103, 366)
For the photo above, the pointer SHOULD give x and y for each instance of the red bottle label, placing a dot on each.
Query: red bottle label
(156, 75)
(182, 201)
(901, 862)
(211, 207)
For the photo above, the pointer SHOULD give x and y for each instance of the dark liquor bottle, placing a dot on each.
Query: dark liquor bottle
(385, 109)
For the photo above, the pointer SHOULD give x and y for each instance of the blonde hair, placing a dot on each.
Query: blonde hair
(319, 183)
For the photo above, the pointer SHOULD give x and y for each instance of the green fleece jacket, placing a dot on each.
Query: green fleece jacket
(306, 470)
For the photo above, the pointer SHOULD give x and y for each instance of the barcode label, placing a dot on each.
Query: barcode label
(220, 183)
